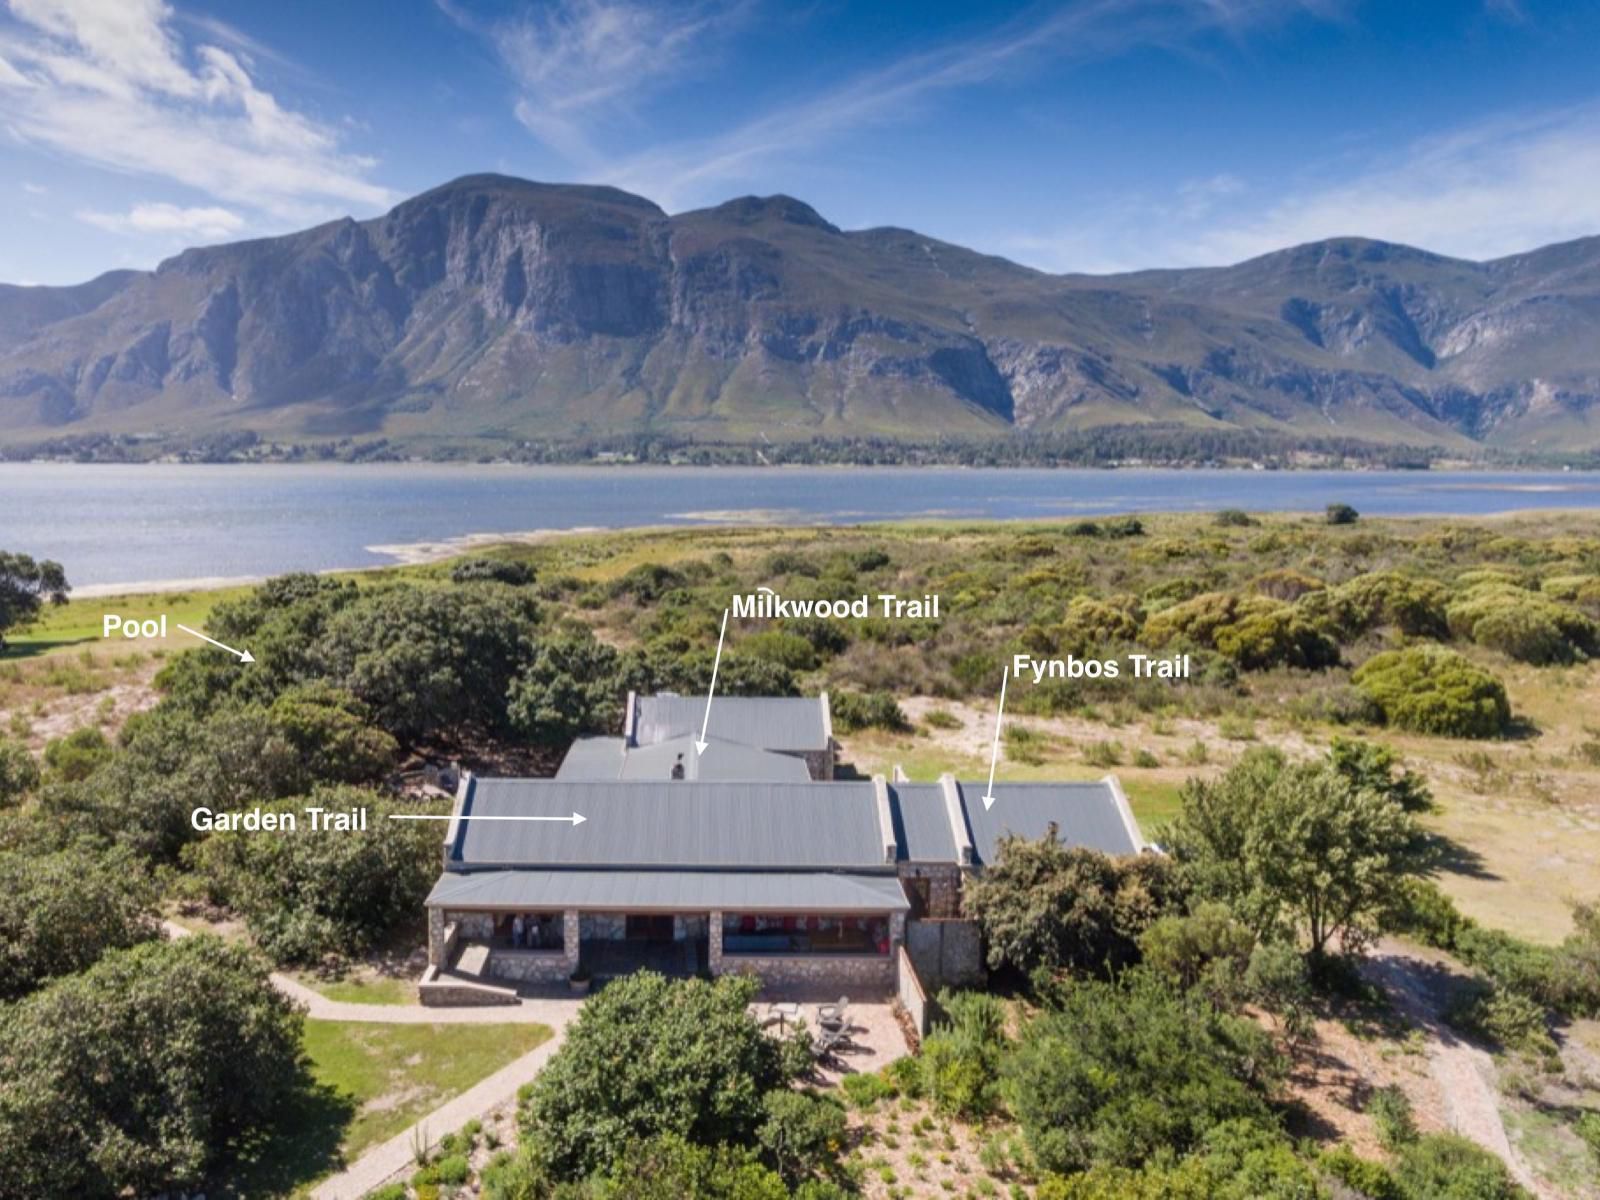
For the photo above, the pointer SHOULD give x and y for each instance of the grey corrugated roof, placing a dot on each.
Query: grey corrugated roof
(1086, 814)
(609, 758)
(592, 758)
(762, 891)
(921, 822)
(722, 760)
(766, 722)
(671, 824)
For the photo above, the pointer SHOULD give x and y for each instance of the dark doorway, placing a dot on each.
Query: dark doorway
(649, 928)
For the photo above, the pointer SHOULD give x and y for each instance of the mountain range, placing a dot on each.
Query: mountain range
(498, 308)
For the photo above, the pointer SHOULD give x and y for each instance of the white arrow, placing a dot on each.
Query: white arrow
(243, 656)
(994, 757)
(576, 818)
(700, 746)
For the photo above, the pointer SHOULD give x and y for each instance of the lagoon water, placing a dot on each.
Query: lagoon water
(114, 524)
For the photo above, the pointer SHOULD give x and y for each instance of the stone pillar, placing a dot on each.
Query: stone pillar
(897, 932)
(436, 947)
(714, 941)
(571, 928)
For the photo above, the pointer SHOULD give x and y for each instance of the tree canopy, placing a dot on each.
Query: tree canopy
(26, 586)
(1314, 850)
(648, 1057)
(138, 1074)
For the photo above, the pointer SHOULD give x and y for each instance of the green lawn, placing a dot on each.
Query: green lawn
(364, 989)
(80, 622)
(370, 1082)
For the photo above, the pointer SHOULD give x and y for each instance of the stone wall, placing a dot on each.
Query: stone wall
(823, 972)
(913, 996)
(944, 887)
(603, 927)
(819, 762)
(532, 966)
(946, 953)
(472, 926)
(442, 936)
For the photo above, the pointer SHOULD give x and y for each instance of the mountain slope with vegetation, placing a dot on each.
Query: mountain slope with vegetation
(495, 309)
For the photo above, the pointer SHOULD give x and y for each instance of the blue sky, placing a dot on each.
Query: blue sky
(1099, 135)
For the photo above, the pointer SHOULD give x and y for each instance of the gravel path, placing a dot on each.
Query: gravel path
(1465, 1074)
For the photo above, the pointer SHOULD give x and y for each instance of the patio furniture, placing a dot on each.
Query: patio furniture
(828, 1041)
(785, 1013)
(832, 1016)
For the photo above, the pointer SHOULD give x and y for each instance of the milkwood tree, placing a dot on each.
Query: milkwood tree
(25, 586)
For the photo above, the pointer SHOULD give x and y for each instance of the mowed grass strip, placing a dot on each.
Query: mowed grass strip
(368, 1082)
(396, 1074)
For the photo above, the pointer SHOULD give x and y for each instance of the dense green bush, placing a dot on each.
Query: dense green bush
(425, 661)
(61, 912)
(1277, 638)
(802, 1135)
(139, 1074)
(572, 687)
(1428, 689)
(648, 1057)
(1446, 1166)
(1341, 514)
(961, 1057)
(307, 895)
(788, 650)
(1391, 1117)
(1416, 607)
(19, 773)
(74, 757)
(1236, 1160)
(867, 710)
(1206, 947)
(1120, 1072)
(1523, 625)
(1045, 905)
(1092, 625)
(492, 570)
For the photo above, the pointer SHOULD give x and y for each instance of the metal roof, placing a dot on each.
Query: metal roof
(593, 758)
(610, 758)
(758, 891)
(1085, 814)
(670, 823)
(921, 822)
(766, 722)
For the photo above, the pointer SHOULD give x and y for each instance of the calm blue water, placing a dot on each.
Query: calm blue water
(128, 524)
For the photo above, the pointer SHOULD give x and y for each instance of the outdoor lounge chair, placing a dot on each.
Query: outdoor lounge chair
(832, 1016)
(829, 1041)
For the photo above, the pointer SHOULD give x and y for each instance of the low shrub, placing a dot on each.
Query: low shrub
(1428, 689)
(1391, 1117)
(1450, 1167)
(868, 710)
(492, 570)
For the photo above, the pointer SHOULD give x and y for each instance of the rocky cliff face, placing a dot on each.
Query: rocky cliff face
(495, 307)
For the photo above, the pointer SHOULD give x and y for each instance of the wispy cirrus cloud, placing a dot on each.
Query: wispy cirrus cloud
(580, 65)
(1484, 190)
(114, 84)
(207, 223)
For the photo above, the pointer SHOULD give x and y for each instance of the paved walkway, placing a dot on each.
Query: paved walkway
(554, 1012)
